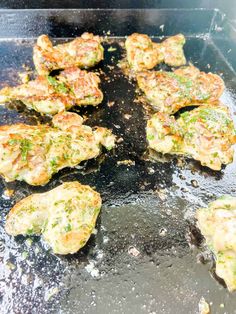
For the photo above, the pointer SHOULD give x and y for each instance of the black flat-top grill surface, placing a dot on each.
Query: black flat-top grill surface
(139, 260)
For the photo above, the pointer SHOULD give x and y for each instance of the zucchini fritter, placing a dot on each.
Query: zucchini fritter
(84, 52)
(33, 153)
(205, 133)
(169, 91)
(65, 216)
(217, 223)
(50, 95)
(143, 54)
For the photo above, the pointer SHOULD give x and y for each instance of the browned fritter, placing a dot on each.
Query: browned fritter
(205, 133)
(83, 52)
(170, 91)
(33, 153)
(144, 54)
(50, 95)
(65, 216)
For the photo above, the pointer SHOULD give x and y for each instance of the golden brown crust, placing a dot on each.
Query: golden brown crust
(34, 153)
(173, 52)
(84, 52)
(170, 91)
(143, 54)
(205, 133)
(50, 95)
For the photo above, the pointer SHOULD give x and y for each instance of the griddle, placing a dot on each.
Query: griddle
(140, 259)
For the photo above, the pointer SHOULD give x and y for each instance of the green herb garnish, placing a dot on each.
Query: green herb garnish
(110, 49)
(58, 86)
(30, 231)
(68, 228)
(25, 146)
(150, 137)
(53, 162)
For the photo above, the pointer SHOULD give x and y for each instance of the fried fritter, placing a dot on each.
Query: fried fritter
(217, 223)
(50, 95)
(172, 49)
(84, 52)
(169, 91)
(205, 133)
(33, 153)
(65, 216)
(143, 54)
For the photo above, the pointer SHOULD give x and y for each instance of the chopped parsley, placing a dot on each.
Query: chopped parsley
(53, 163)
(110, 49)
(13, 141)
(54, 224)
(215, 154)
(30, 231)
(58, 86)
(109, 147)
(25, 146)
(150, 137)
(68, 228)
(181, 80)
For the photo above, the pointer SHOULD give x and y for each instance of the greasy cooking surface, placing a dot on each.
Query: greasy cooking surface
(144, 213)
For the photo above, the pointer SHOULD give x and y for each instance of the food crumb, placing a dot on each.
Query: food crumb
(110, 67)
(10, 265)
(163, 232)
(24, 77)
(110, 103)
(161, 193)
(162, 27)
(49, 294)
(133, 251)
(194, 183)
(204, 307)
(180, 162)
(29, 242)
(7, 193)
(120, 140)
(92, 270)
(110, 49)
(127, 116)
(25, 254)
(127, 162)
(222, 305)
(151, 170)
